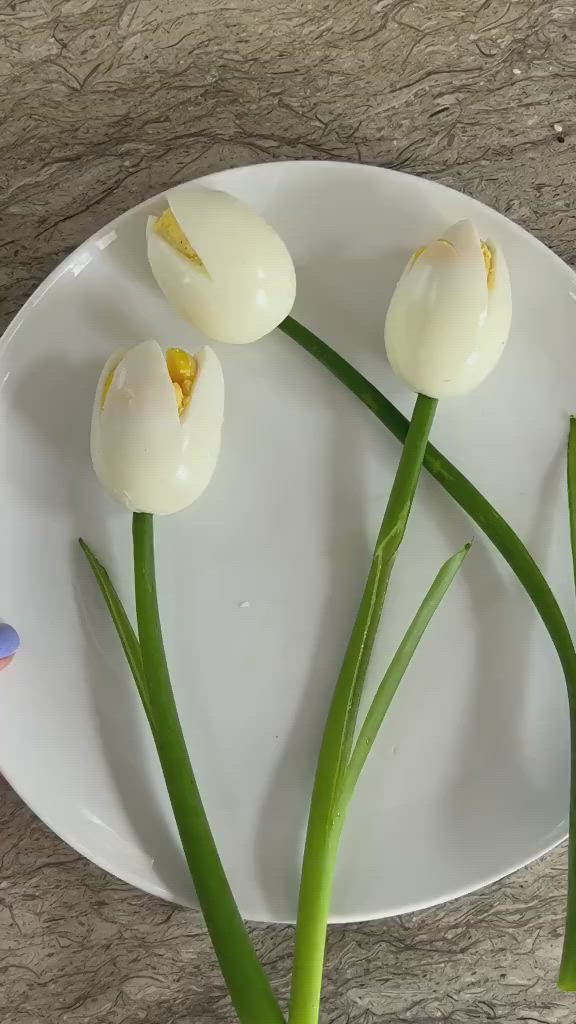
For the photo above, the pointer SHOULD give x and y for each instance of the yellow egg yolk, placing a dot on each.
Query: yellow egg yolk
(420, 252)
(169, 229)
(108, 383)
(107, 386)
(182, 368)
(487, 254)
(488, 263)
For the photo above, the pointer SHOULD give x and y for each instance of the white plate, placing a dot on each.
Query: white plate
(259, 581)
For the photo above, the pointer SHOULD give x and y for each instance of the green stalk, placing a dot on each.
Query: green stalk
(247, 983)
(567, 978)
(323, 824)
(571, 473)
(510, 546)
(394, 675)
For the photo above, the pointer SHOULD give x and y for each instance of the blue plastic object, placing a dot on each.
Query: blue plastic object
(9, 640)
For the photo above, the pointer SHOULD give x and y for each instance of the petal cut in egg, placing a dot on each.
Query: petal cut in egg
(151, 450)
(221, 265)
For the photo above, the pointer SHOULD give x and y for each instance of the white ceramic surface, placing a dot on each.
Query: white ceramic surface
(260, 579)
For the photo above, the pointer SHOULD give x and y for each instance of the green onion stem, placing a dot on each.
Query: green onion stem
(247, 983)
(567, 978)
(571, 474)
(512, 549)
(324, 825)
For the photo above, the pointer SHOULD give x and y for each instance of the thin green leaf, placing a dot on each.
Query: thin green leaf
(122, 623)
(394, 674)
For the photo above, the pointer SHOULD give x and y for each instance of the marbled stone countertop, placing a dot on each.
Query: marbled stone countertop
(104, 102)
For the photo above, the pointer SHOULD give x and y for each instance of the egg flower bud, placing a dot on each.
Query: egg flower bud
(156, 426)
(221, 266)
(450, 314)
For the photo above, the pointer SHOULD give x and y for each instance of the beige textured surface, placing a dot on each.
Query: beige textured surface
(104, 102)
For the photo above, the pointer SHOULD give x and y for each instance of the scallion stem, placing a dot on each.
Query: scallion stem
(247, 983)
(323, 824)
(567, 978)
(571, 475)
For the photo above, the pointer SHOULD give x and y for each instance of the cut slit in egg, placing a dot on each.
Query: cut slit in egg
(220, 265)
(168, 228)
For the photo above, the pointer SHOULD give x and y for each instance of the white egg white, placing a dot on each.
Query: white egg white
(445, 328)
(247, 284)
(144, 454)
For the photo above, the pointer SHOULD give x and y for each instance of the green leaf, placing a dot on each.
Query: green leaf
(394, 675)
(122, 623)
